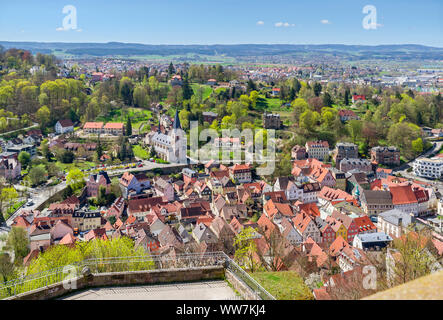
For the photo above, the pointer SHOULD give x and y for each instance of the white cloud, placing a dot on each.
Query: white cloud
(60, 29)
(325, 21)
(260, 23)
(284, 24)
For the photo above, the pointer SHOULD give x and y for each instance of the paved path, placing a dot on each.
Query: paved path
(209, 290)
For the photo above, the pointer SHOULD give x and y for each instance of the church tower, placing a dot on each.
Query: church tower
(178, 142)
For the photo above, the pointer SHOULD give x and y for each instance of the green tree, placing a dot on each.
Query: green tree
(19, 242)
(355, 129)
(24, 158)
(327, 100)
(75, 178)
(347, 94)
(43, 116)
(38, 175)
(65, 156)
(8, 195)
(184, 118)
(128, 127)
(187, 90)
(251, 86)
(171, 70)
(126, 90)
(309, 119)
(317, 89)
(417, 145)
(6, 268)
(245, 249)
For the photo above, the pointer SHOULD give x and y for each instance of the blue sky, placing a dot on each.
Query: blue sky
(225, 22)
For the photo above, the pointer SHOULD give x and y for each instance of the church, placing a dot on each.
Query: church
(171, 146)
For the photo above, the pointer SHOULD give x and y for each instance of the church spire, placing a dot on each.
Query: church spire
(177, 124)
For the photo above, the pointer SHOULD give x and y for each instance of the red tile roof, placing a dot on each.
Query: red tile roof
(402, 195)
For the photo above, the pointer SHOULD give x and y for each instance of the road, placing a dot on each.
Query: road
(38, 196)
(435, 148)
(437, 184)
(34, 125)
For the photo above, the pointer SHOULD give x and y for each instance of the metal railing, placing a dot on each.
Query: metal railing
(242, 275)
(130, 264)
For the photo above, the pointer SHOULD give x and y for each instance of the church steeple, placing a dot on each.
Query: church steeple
(177, 124)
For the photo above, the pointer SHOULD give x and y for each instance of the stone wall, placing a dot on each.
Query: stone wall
(124, 279)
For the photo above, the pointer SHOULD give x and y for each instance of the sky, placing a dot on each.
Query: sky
(225, 22)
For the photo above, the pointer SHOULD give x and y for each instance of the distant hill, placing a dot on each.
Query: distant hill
(241, 51)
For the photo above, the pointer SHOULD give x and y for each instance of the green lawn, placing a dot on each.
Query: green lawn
(284, 285)
(207, 89)
(82, 165)
(139, 152)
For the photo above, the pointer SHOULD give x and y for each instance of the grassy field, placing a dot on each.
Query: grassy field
(139, 152)
(284, 285)
(207, 89)
(82, 165)
(137, 115)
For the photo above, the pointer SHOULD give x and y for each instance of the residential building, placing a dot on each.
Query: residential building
(389, 156)
(346, 115)
(227, 143)
(140, 207)
(275, 92)
(93, 127)
(95, 181)
(242, 173)
(86, 220)
(271, 121)
(428, 168)
(288, 185)
(164, 189)
(31, 149)
(64, 126)
(373, 202)
(318, 150)
(372, 241)
(356, 98)
(348, 164)
(393, 222)
(114, 128)
(306, 226)
(10, 167)
(129, 184)
(340, 178)
(404, 199)
(310, 192)
(299, 153)
(344, 150)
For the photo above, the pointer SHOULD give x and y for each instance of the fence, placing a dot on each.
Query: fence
(128, 264)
